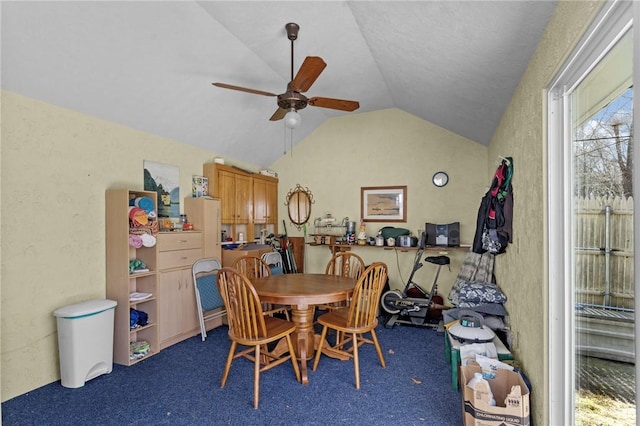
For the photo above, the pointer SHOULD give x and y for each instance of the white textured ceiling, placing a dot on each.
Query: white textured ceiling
(150, 65)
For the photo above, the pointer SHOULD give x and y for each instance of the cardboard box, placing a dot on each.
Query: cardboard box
(476, 410)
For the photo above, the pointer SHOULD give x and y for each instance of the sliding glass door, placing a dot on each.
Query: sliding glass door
(592, 287)
(601, 123)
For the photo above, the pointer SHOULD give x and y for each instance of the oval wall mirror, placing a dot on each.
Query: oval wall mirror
(298, 204)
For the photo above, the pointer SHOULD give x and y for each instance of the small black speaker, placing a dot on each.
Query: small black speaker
(443, 235)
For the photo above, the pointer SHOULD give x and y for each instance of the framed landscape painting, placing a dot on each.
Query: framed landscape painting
(165, 180)
(383, 203)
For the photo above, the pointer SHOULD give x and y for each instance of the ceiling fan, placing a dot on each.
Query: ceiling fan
(293, 100)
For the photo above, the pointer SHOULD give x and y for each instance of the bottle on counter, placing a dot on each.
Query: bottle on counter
(477, 378)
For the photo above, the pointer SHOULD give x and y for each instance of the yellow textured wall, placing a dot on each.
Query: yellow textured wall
(56, 166)
(383, 148)
(521, 134)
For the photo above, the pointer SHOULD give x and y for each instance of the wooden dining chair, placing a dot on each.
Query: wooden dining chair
(357, 319)
(346, 264)
(254, 267)
(248, 326)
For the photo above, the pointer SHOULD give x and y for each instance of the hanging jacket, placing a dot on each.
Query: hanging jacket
(495, 215)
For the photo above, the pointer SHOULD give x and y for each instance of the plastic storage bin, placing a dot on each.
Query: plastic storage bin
(85, 341)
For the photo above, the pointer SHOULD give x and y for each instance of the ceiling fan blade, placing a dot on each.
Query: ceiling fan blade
(340, 104)
(279, 114)
(243, 89)
(308, 73)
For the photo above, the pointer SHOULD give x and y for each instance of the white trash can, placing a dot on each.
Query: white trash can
(85, 340)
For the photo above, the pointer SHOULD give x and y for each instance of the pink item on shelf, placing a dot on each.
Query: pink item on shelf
(135, 241)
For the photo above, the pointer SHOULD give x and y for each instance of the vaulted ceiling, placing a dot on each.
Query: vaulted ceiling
(150, 65)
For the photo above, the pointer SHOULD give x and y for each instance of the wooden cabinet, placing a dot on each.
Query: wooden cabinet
(246, 198)
(205, 215)
(233, 187)
(178, 317)
(178, 314)
(121, 283)
(234, 190)
(265, 200)
(297, 247)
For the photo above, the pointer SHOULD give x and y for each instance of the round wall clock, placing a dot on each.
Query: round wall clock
(440, 179)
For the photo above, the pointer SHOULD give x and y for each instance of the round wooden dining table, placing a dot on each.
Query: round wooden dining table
(302, 292)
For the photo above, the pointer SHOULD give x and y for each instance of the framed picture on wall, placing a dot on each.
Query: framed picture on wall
(199, 186)
(165, 180)
(383, 203)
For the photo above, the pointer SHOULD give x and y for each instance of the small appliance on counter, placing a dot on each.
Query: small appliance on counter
(406, 241)
(443, 235)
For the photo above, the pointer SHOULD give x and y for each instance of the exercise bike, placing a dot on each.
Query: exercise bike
(412, 306)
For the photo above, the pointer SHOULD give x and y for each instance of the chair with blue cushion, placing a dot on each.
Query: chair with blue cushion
(274, 260)
(208, 300)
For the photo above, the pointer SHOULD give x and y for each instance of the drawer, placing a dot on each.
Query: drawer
(178, 258)
(168, 241)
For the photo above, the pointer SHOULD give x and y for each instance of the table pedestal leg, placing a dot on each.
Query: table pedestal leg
(303, 342)
(303, 338)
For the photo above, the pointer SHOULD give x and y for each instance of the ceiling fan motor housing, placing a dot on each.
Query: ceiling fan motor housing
(291, 99)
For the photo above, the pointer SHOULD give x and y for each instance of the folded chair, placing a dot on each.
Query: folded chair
(254, 267)
(208, 300)
(359, 318)
(248, 326)
(274, 260)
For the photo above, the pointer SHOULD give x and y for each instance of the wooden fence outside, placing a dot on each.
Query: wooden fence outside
(604, 252)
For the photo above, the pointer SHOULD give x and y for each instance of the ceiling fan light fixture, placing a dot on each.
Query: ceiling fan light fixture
(292, 119)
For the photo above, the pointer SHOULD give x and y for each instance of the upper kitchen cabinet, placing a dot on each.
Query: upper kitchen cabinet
(265, 200)
(233, 187)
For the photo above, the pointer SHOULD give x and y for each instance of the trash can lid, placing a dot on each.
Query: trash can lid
(82, 309)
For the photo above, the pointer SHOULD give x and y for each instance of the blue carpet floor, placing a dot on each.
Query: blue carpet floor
(181, 386)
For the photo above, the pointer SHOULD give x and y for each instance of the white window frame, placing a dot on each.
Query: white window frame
(611, 23)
